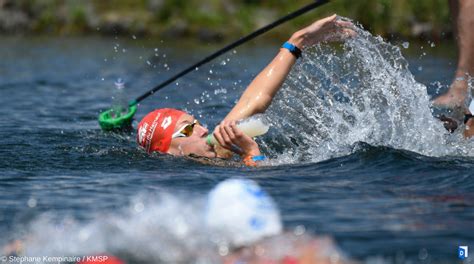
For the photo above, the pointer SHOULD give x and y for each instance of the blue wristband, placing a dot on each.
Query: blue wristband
(258, 158)
(293, 49)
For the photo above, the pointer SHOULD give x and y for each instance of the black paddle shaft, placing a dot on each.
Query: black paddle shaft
(237, 43)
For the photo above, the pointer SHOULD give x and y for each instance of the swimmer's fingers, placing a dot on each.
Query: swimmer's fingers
(225, 141)
(345, 24)
(234, 136)
(238, 134)
(246, 143)
(218, 135)
(340, 31)
(230, 131)
(339, 35)
(345, 29)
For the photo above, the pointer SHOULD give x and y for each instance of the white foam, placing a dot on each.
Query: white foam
(363, 92)
(164, 228)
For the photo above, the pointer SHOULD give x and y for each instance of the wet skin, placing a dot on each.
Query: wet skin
(194, 144)
(226, 133)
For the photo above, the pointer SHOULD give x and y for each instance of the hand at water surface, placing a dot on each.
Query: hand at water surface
(328, 29)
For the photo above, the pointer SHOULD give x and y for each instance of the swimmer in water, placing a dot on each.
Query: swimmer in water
(248, 223)
(175, 132)
(245, 225)
(457, 97)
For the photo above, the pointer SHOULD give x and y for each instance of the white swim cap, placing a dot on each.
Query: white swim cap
(241, 210)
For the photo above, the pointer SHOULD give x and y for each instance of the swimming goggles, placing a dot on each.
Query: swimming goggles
(186, 130)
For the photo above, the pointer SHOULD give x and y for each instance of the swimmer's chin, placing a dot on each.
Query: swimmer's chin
(212, 152)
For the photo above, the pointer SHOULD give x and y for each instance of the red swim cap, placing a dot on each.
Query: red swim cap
(156, 129)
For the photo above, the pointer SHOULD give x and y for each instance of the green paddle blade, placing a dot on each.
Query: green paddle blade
(109, 121)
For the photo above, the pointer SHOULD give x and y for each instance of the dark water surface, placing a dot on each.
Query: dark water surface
(378, 202)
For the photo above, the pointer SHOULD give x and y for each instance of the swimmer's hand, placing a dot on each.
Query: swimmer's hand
(232, 138)
(328, 29)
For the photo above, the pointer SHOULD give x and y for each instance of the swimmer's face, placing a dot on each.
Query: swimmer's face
(192, 144)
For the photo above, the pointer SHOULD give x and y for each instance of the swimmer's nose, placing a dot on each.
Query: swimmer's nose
(202, 131)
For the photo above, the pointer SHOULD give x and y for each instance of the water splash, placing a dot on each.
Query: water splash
(360, 91)
(164, 229)
(157, 229)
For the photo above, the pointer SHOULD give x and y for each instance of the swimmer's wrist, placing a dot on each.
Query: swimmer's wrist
(251, 149)
(298, 39)
(294, 50)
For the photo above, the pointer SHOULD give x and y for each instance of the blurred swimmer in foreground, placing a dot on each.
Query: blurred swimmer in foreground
(249, 224)
(175, 132)
(243, 224)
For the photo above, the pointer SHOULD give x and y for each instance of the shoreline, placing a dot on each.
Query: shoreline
(214, 21)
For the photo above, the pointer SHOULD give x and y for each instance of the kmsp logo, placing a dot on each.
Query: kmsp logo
(463, 252)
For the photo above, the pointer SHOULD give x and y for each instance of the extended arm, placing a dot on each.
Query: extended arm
(259, 94)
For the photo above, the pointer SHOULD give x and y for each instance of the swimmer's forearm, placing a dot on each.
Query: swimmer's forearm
(259, 94)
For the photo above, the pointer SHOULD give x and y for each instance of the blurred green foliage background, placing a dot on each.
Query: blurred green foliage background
(213, 20)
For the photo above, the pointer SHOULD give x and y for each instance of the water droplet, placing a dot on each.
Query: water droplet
(124, 50)
(139, 207)
(156, 49)
(406, 45)
(420, 68)
(32, 202)
(220, 91)
(432, 45)
(103, 79)
(165, 65)
(423, 254)
(196, 101)
(148, 62)
(134, 37)
(223, 63)
(223, 250)
(299, 230)
(210, 71)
